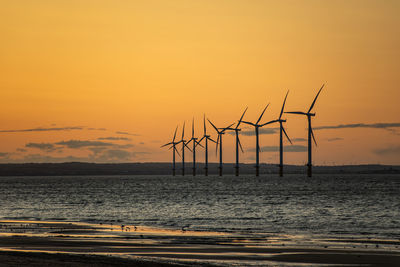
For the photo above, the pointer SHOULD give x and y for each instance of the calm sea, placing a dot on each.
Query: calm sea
(331, 205)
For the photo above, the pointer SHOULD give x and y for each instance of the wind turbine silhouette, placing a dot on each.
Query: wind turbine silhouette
(206, 137)
(195, 143)
(183, 141)
(310, 131)
(281, 129)
(256, 126)
(220, 132)
(173, 146)
(238, 144)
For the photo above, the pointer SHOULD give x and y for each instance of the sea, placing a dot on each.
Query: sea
(356, 205)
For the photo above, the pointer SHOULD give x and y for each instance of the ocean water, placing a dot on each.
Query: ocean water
(328, 205)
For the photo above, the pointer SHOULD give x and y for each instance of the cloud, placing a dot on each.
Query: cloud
(334, 139)
(83, 143)
(39, 129)
(126, 133)
(261, 131)
(299, 139)
(114, 138)
(21, 150)
(97, 129)
(41, 146)
(4, 154)
(292, 148)
(390, 151)
(360, 125)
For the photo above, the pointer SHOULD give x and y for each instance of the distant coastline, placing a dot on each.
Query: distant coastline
(83, 168)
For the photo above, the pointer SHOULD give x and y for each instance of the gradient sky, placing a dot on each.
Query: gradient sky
(108, 81)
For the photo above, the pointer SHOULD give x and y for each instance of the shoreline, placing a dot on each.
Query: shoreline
(167, 247)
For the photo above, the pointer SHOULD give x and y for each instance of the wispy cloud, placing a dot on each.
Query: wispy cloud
(299, 140)
(41, 146)
(21, 150)
(97, 129)
(4, 154)
(126, 133)
(261, 131)
(360, 125)
(292, 148)
(334, 139)
(391, 150)
(40, 129)
(83, 143)
(115, 138)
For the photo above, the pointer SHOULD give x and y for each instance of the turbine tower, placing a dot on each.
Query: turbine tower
(195, 143)
(281, 129)
(184, 144)
(206, 137)
(256, 126)
(310, 131)
(220, 132)
(173, 146)
(238, 144)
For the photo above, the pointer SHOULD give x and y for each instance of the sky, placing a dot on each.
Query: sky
(109, 81)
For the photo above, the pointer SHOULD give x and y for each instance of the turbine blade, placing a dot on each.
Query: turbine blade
(216, 146)
(188, 142)
(193, 128)
(202, 139)
(296, 112)
(262, 114)
(166, 144)
(241, 118)
(284, 131)
(250, 123)
(183, 130)
(176, 150)
(230, 126)
(212, 140)
(313, 137)
(213, 125)
(283, 106)
(173, 140)
(198, 144)
(273, 121)
(187, 147)
(204, 121)
(240, 145)
(315, 99)
(227, 128)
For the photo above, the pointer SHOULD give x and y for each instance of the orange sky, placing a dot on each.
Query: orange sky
(143, 67)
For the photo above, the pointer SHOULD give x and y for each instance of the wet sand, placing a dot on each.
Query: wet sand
(38, 243)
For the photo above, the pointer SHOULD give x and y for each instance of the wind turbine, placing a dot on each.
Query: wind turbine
(238, 144)
(256, 126)
(173, 146)
(281, 129)
(195, 143)
(310, 131)
(206, 137)
(220, 132)
(184, 144)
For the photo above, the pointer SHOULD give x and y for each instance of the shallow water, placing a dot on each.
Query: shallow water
(326, 205)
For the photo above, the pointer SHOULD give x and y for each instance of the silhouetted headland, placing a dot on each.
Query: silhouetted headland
(82, 168)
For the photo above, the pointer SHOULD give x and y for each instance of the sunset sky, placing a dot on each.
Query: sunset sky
(108, 81)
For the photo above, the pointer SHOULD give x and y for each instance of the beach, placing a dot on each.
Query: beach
(45, 243)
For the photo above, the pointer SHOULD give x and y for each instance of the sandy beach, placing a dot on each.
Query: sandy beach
(40, 243)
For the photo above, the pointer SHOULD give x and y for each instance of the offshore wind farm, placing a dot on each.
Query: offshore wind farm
(221, 131)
